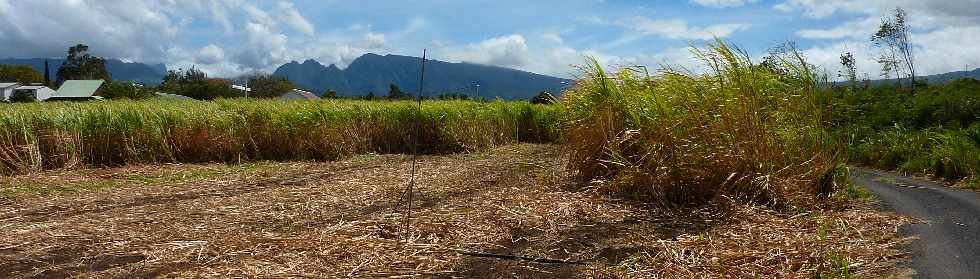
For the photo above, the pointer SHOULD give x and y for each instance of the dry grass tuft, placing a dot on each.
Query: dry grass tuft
(752, 132)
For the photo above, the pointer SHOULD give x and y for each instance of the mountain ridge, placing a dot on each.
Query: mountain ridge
(151, 74)
(374, 73)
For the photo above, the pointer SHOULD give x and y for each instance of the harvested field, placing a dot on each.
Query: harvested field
(341, 219)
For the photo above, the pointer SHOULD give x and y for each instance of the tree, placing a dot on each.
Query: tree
(330, 94)
(47, 74)
(453, 96)
(22, 96)
(20, 73)
(369, 96)
(81, 65)
(543, 98)
(125, 90)
(268, 86)
(850, 69)
(195, 83)
(395, 93)
(897, 51)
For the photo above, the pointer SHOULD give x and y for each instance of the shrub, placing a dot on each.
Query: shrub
(751, 132)
(125, 90)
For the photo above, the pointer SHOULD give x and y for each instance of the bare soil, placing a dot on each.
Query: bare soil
(344, 219)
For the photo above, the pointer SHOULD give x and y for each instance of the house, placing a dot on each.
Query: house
(241, 88)
(37, 92)
(78, 90)
(172, 96)
(297, 94)
(7, 90)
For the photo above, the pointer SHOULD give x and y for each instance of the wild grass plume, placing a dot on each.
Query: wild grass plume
(749, 131)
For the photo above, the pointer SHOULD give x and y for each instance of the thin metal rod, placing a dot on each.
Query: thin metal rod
(517, 258)
(415, 150)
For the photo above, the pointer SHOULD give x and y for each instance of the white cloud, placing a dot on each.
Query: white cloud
(925, 14)
(549, 54)
(211, 54)
(945, 35)
(374, 40)
(856, 29)
(506, 51)
(288, 13)
(942, 51)
(679, 29)
(722, 3)
(48, 27)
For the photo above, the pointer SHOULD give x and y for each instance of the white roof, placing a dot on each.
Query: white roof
(297, 94)
(173, 96)
(239, 87)
(8, 84)
(32, 87)
(78, 88)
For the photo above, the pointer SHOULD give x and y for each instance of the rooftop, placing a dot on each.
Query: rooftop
(78, 88)
(32, 87)
(300, 94)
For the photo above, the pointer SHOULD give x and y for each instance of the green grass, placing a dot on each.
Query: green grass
(887, 180)
(838, 267)
(948, 154)
(857, 192)
(28, 187)
(40, 136)
(755, 132)
(94, 179)
(934, 131)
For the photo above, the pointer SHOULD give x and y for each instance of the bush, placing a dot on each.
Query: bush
(20, 73)
(125, 90)
(196, 84)
(935, 131)
(22, 96)
(750, 132)
(268, 86)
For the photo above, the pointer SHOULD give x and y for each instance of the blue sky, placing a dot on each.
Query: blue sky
(232, 37)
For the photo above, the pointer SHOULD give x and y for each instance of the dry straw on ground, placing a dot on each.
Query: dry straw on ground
(338, 219)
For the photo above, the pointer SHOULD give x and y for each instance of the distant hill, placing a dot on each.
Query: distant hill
(951, 76)
(374, 73)
(137, 72)
(932, 79)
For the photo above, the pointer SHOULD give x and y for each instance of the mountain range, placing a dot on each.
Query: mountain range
(375, 73)
(951, 76)
(127, 71)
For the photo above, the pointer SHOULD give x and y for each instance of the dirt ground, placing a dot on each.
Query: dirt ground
(344, 219)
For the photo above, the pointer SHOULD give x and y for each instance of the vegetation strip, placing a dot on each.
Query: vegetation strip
(35, 137)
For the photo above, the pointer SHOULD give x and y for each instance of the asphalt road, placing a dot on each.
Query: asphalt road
(949, 239)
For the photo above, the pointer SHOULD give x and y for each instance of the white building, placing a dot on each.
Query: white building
(297, 94)
(241, 88)
(78, 90)
(39, 92)
(7, 90)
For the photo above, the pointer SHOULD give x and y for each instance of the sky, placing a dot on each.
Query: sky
(227, 38)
